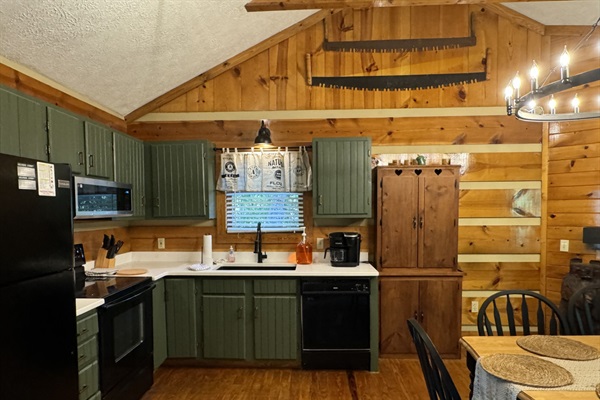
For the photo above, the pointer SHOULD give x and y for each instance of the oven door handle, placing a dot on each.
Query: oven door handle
(129, 298)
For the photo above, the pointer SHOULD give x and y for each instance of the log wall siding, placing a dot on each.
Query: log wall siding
(573, 196)
(276, 78)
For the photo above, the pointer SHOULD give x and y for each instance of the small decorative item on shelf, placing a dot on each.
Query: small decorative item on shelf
(420, 159)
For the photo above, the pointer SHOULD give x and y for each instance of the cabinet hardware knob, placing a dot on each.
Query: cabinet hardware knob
(416, 316)
(81, 357)
(91, 159)
(143, 201)
(421, 316)
(84, 330)
(320, 199)
(414, 222)
(421, 222)
(80, 154)
(157, 202)
(83, 389)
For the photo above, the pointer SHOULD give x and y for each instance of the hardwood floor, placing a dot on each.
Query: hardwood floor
(396, 379)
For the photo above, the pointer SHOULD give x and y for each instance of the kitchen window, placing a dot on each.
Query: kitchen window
(276, 211)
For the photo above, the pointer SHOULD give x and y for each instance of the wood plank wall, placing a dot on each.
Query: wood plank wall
(573, 196)
(573, 180)
(500, 199)
(276, 79)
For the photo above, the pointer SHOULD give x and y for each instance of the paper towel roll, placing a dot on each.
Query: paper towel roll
(207, 258)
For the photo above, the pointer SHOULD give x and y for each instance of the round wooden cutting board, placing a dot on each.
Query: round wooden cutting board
(132, 271)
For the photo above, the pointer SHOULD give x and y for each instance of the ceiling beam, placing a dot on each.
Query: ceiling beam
(226, 65)
(281, 5)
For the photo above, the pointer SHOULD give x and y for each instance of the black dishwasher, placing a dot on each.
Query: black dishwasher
(335, 324)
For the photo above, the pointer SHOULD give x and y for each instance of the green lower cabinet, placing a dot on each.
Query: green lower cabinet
(232, 318)
(159, 323)
(224, 326)
(275, 328)
(182, 335)
(87, 356)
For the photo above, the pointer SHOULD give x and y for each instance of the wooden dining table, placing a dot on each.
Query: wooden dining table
(480, 346)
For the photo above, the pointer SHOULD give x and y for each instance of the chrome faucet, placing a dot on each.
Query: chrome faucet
(258, 245)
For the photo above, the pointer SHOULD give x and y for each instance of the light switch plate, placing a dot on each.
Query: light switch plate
(320, 243)
(474, 306)
(161, 243)
(564, 245)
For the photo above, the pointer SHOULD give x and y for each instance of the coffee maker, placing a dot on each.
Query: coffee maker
(344, 249)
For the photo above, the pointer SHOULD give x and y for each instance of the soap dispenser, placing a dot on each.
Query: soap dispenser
(304, 250)
(231, 255)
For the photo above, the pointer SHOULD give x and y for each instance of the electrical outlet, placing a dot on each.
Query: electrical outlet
(161, 243)
(320, 243)
(474, 306)
(564, 245)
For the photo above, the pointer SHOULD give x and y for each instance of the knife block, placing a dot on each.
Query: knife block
(102, 261)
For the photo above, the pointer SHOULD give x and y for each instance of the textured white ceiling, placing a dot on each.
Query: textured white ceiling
(121, 54)
(124, 53)
(574, 12)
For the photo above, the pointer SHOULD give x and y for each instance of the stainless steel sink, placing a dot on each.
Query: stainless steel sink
(258, 267)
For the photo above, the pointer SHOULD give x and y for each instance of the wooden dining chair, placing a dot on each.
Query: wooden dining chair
(583, 311)
(439, 382)
(533, 310)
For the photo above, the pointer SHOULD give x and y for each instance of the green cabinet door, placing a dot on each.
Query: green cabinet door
(276, 319)
(159, 323)
(98, 151)
(275, 327)
(182, 179)
(342, 178)
(22, 126)
(66, 139)
(129, 168)
(224, 326)
(180, 297)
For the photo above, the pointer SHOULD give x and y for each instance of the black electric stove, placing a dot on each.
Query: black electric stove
(110, 288)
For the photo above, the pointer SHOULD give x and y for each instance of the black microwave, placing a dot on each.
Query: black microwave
(99, 198)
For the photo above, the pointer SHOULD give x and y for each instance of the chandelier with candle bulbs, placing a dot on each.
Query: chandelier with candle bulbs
(529, 107)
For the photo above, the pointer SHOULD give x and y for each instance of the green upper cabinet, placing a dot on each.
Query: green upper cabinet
(65, 136)
(129, 168)
(342, 178)
(182, 179)
(98, 151)
(22, 126)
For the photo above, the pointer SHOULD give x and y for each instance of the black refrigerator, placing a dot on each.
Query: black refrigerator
(38, 344)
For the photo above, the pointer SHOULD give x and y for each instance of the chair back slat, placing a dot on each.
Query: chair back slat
(524, 318)
(510, 316)
(498, 320)
(537, 314)
(438, 380)
(540, 319)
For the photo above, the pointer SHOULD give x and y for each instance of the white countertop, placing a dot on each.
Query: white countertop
(163, 264)
(84, 305)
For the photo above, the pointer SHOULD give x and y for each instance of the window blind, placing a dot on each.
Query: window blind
(276, 211)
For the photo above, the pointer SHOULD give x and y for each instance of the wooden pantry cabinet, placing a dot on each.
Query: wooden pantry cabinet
(416, 254)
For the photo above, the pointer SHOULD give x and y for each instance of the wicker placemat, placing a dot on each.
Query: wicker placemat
(558, 347)
(526, 370)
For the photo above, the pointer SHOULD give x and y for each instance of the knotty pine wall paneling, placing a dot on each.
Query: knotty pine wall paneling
(280, 75)
(500, 197)
(573, 199)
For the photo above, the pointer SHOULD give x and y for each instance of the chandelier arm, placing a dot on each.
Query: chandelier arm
(553, 88)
